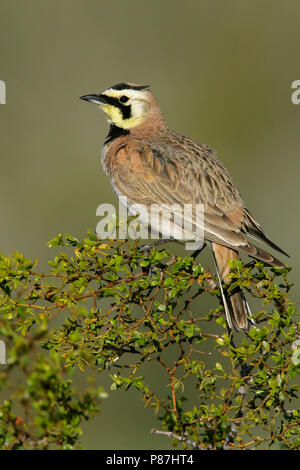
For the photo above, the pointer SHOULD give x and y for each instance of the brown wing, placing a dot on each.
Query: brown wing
(254, 230)
(183, 173)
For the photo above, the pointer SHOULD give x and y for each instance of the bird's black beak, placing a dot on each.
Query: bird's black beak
(97, 99)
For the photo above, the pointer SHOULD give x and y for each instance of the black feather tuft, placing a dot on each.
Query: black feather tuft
(128, 86)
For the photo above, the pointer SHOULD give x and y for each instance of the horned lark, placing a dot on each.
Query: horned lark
(148, 163)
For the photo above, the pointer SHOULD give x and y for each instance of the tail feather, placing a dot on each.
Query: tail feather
(236, 307)
(237, 310)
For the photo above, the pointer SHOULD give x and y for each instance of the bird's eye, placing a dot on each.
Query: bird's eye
(124, 98)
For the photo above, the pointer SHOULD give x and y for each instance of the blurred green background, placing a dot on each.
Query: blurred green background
(221, 71)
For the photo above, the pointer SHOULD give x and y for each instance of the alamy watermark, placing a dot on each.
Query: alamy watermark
(2, 92)
(2, 352)
(168, 221)
(2, 343)
(295, 97)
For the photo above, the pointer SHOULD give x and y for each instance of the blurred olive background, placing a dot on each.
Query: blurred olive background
(222, 73)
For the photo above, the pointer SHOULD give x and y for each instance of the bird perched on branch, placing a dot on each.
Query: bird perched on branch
(148, 163)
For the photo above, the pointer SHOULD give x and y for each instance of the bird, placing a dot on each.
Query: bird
(150, 164)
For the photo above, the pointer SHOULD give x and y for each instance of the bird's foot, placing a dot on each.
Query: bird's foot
(146, 248)
(197, 252)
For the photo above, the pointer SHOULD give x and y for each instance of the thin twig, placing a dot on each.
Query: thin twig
(184, 439)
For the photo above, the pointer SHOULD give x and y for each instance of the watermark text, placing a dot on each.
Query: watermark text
(2, 92)
(295, 97)
(2, 352)
(168, 221)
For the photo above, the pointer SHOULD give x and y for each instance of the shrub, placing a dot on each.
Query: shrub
(109, 306)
